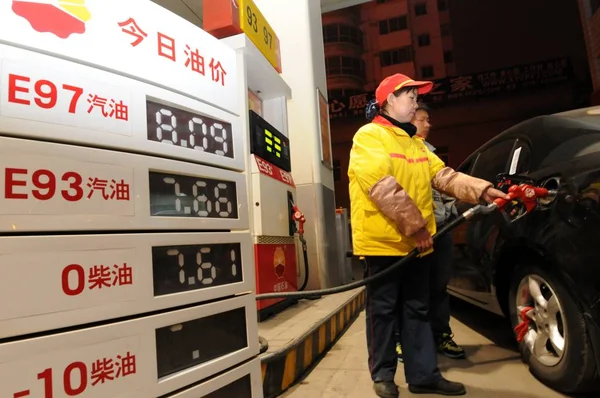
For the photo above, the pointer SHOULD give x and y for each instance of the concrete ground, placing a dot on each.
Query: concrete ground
(493, 368)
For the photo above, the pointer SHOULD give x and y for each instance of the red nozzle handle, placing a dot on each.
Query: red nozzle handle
(528, 194)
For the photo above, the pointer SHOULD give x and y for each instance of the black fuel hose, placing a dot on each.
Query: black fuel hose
(479, 209)
(305, 256)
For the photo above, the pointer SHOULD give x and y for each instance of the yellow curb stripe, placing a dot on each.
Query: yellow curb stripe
(333, 330)
(322, 342)
(308, 352)
(281, 371)
(289, 371)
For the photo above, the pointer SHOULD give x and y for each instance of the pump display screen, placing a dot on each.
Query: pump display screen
(187, 344)
(268, 143)
(174, 126)
(183, 268)
(173, 195)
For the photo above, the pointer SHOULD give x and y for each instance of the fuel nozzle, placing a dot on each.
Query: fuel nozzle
(298, 217)
(522, 199)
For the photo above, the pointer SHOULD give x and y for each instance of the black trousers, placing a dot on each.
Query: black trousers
(406, 291)
(439, 299)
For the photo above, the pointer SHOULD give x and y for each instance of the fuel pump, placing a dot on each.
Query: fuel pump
(277, 219)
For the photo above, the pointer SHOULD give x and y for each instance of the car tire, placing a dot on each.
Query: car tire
(575, 368)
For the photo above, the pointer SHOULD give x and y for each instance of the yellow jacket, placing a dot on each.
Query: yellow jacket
(391, 176)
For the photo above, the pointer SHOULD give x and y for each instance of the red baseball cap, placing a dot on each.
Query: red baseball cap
(395, 82)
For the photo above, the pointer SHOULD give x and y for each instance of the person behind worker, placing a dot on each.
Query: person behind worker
(391, 177)
(441, 271)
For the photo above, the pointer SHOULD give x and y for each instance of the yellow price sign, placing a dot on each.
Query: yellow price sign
(256, 27)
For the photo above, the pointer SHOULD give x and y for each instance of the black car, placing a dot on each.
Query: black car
(544, 265)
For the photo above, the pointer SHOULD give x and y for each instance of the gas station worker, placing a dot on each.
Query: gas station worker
(391, 177)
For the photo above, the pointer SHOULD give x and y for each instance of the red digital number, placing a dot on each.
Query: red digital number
(46, 375)
(68, 387)
(44, 182)
(74, 179)
(46, 92)
(265, 167)
(285, 176)
(78, 269)
(67, 380)
(77, 91)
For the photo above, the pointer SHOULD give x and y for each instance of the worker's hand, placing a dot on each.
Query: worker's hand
(423, 239)
(491, 194)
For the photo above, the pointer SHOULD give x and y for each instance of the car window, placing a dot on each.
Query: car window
(467, 164)
(578, 146)
(493, 160)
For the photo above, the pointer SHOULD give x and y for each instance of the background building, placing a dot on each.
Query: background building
(490, 74)
(590, 20)
(367, 42)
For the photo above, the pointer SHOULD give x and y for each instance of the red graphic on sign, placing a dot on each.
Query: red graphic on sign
(275, 270)
(60, 17)
(73, 277)
(168, 47)
(77, 377)
(103, 371)
(133, 30)
(273, 171)
(279, 262)
(45, 94)
(46, 185)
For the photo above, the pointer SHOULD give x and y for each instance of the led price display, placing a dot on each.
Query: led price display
(268, 143)
(187, 344)
(173, 195)
(174, 126)
(182, 268)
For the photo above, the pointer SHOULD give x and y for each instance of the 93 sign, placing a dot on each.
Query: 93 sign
(253, 22)
(256, 27)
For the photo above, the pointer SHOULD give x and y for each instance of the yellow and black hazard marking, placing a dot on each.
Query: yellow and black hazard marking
(281, 369)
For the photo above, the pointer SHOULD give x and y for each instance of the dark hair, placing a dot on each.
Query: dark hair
(421, 106)
(373, 109)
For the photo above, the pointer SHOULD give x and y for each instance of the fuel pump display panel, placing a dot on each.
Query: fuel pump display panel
(132, 37)
(129, 358)
(77, 279)
(268, 143)
(125, 236)
(69, 102)
(55, 187)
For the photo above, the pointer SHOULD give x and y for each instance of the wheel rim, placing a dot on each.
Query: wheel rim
(547, 332)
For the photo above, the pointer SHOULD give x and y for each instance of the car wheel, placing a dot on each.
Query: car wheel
(555, 343)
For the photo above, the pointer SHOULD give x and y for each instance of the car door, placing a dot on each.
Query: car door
(475, 241)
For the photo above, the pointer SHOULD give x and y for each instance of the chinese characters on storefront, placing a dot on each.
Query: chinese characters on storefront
(485, 84)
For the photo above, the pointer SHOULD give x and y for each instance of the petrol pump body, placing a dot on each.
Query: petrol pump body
(125, 243)
(273, 196)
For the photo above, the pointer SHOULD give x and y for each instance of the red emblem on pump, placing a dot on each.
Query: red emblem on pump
(59, 17)
(279, 262)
